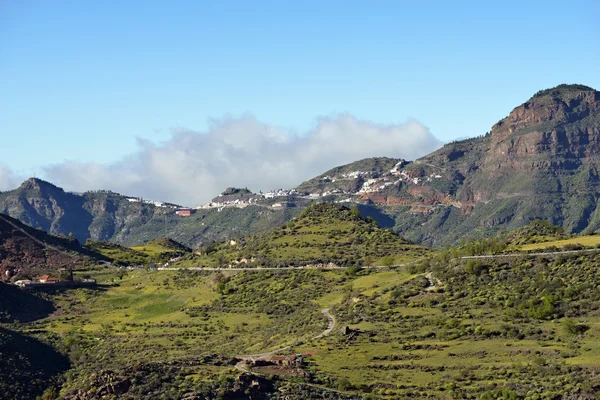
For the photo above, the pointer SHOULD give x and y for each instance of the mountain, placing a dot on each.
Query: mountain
(540, 162)
(108, 216)
(27, 251)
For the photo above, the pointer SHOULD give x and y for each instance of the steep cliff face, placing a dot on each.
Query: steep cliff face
(541, 161)
(553, 135)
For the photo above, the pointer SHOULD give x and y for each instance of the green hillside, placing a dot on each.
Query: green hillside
(156, 250)
(438, 329)
(19, 305)
(323, 233)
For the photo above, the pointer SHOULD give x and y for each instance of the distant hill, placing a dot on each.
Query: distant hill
(540, 162)
(323, 233)
(156, 250)
(111, 217)
(349, 178)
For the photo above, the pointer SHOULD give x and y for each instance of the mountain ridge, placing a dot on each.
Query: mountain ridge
(539, 162)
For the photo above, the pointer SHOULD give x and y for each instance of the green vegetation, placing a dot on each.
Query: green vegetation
(499, 328)
(156, 250)
(562, 88)
(573, 243)
(17, 305)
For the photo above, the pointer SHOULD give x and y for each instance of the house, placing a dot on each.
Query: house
(184, 212)
(47, 279)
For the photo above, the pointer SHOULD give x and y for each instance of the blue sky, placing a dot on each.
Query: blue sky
(82, 81)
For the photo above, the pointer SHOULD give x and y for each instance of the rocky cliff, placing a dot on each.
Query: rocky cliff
(541, 161)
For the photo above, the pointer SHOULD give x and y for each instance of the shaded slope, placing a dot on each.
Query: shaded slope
(20, 305)
(27, 366)
(24, 250)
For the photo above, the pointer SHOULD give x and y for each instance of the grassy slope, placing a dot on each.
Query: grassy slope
(522, 328)
(579, 240)
(27, 365)
(157, 250)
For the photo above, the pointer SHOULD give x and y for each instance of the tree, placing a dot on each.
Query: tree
(353, 270)
(387, 261)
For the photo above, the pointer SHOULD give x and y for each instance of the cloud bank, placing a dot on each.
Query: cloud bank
(193, 167)
(8, 180)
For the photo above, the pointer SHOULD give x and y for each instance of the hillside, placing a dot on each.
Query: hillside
(509, 328)
(324, 233)
(25, 251)
(20, 305)
(349, 178)
(156, 250)
(29, 367)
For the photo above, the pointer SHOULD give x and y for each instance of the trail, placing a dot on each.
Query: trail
(433, 283)
(331, 322)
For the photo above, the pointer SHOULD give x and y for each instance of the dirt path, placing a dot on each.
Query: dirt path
(331, 322)
(434, 283)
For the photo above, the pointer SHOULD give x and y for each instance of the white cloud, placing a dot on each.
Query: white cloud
(8, 180)
(193, 167)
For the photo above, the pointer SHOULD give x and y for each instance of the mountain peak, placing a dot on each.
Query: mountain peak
(37, 184)
(548, 110)
(563, 89)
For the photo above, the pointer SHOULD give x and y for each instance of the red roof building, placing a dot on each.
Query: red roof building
(184, 212)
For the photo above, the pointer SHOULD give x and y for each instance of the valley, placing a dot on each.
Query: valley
(468, 273)
(476, 321)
